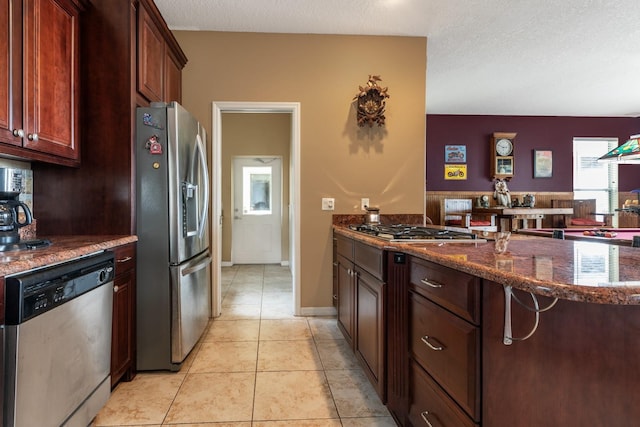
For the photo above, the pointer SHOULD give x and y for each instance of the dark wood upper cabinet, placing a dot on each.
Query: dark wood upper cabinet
(39, 79)
(150, 58)
(159, 62)
(10, 88)
(99, 197)
(172, 78)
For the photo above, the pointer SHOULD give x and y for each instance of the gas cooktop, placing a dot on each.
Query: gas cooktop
(414, 234)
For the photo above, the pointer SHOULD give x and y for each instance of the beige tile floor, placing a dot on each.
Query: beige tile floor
(257, 365)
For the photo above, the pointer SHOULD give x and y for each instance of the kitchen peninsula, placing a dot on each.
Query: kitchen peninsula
(544, 334)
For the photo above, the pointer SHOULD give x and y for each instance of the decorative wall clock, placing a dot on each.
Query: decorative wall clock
(502, 158)
(370, 103)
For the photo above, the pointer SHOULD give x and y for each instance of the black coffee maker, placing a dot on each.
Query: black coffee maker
(10, 220)
(12, 183)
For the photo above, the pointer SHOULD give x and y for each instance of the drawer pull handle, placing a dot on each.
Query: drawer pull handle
(437, 347)
(430, 283)
(125, 259)
(424, 416)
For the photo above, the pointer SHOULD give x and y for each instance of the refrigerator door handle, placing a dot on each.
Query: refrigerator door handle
(205, 205)
(203, 263)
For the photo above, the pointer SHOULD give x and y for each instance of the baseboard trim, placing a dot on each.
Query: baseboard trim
(318, 311)
(226, 264)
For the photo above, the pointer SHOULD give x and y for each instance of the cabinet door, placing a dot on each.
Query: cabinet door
(122, 327)
(10, 71)
(151, 52)
(345, 284)
(369, 345)
(51, 83)
(123, 340)
(172, 80)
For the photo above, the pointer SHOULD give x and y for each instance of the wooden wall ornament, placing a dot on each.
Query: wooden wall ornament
(370, 103)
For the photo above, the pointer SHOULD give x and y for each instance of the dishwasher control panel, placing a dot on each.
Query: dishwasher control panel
(31, 294)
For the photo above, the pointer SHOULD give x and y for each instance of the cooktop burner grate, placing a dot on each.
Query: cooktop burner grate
(411, 232)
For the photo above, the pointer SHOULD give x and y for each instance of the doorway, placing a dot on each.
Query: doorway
(257, 201)
(293, 212)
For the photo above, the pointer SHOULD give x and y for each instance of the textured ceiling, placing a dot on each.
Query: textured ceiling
(496, 57)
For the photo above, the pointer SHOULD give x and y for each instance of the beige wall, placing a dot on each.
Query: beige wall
(254, 134)
(338, 159)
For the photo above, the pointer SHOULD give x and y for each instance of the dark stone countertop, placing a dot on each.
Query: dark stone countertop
(566, 269)
(62, 248)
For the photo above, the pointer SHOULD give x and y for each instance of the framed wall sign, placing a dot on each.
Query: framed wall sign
(542, 163)
(455, 153)
(457, 172)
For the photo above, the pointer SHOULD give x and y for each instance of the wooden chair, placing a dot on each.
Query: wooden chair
(458, 213)
(584, 214)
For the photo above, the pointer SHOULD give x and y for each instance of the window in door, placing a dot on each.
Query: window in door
(593, 179)
(256, 190)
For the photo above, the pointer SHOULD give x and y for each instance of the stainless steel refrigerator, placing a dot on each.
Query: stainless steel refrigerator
(173, 259)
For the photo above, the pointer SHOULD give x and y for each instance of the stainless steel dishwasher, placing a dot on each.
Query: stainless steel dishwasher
(58, 343)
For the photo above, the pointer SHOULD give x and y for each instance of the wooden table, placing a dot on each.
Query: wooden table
(510, 219)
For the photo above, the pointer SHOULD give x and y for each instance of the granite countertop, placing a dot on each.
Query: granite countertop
(62, 248)
(566, 269)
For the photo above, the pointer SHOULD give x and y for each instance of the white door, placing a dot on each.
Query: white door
(256, 233)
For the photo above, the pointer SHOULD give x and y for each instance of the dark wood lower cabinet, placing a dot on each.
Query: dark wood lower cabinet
(430, 405)
(345, 298)
(397, 341)
(123, 341)
(579, 368)
(361, 307)
(370, 324)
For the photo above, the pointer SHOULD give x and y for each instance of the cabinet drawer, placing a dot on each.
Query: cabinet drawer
(430, 404)
(369, 258)
(344, 246)
(125, 257)
(447, 348)
(452, 289)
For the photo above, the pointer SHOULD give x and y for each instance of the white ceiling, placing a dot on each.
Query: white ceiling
(496, 57)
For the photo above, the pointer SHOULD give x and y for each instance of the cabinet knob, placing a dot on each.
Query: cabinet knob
(18, 133)
(32, 137)
(115, 289)
(335, 297)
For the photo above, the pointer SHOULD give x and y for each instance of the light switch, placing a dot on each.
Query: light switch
(328, 203)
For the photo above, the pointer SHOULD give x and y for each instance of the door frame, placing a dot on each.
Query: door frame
(218, 108)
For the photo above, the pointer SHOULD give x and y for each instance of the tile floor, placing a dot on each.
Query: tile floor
(257, 365)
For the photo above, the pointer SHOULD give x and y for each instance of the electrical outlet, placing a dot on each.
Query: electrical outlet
(328, 203)
(364, 202)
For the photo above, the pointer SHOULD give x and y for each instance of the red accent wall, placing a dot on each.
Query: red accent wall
(534, 132)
